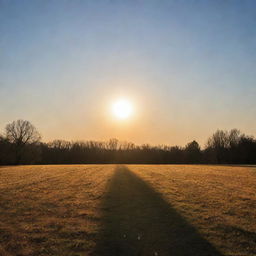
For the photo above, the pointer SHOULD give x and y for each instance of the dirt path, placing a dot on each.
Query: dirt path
(138, 221)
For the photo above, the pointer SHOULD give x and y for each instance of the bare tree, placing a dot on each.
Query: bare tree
(113, 144)
(234, 137)
(21, 133)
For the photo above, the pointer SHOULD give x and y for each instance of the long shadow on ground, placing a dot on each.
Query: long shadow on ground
(138, 221)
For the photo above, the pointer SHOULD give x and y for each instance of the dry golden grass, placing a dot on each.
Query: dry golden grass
(132, 210)
(50, 210)
(220, 201)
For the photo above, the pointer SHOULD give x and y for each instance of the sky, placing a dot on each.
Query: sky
(188, 68)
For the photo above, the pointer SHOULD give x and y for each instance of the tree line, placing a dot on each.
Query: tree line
(21, 144)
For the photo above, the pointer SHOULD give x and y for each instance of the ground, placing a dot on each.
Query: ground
(128, 210)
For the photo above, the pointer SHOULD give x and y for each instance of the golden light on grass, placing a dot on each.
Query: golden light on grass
(67, 210)
(122, 109)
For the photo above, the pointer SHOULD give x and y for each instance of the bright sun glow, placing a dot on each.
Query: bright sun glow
(122, 109)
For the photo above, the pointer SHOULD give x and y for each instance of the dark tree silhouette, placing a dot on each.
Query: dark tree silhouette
(20, 145)
(192, 152)
(230, 147)
(21, 133)
(218, 144)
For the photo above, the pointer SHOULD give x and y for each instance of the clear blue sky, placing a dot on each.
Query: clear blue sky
(187, 66)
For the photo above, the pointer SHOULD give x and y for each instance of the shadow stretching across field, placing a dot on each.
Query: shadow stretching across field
(138, 221)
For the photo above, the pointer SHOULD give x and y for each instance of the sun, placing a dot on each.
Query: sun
(122, 109)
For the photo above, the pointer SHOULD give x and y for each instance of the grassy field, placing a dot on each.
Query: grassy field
(128, 210)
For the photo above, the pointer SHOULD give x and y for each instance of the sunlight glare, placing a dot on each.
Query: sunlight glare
(122, 109)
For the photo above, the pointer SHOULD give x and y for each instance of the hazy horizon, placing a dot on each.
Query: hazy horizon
(188, 67)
